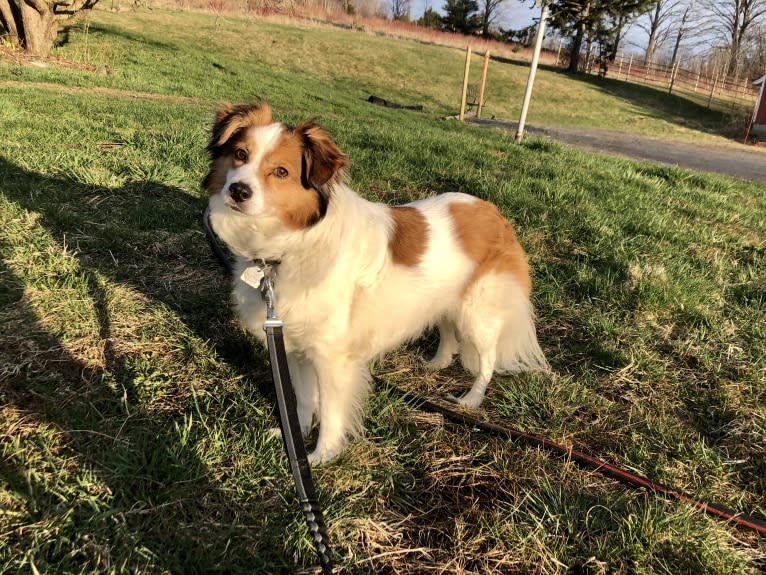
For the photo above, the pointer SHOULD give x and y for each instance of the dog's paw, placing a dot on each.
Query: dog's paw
(471, 399)
(274, 433)
(322, 456)
(438, 363)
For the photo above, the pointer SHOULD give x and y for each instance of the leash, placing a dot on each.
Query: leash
(623, 476)
(291, 429)
(286, 403)
(588, 461)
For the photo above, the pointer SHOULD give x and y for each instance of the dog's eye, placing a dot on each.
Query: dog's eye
(281, 172)
(240, 155)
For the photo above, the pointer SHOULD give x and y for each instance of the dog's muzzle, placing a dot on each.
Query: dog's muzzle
(240, 192)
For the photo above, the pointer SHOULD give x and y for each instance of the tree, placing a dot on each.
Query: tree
(754, 52)
(523, 36)
(682, 30)
(603, 20)
(461, 16)
(658, 23)
(731, 20)
(430, 19)
(489, 14)
(33, 24)
(400, 9)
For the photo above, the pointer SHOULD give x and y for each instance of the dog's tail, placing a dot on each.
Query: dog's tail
(498, 312)
(517, 346)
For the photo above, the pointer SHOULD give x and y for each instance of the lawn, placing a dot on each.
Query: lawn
(135, 413)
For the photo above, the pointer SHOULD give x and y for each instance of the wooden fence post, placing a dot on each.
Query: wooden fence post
(483, 83)
(465, 82)
(673, 72)
(712, 90)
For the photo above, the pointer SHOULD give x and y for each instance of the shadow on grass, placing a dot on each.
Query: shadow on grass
(671, 108)
(160, 506)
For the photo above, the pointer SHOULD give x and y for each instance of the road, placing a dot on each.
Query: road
(746, 162)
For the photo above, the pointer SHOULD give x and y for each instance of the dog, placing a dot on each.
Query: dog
(355, 279)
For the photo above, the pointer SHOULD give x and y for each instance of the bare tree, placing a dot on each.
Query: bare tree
(489, 13)
(754, 52)
(33, 24)
(400, 9)
(683, 28)
(731, 20)
(658, 22)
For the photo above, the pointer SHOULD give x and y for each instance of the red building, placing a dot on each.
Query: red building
(758, 126)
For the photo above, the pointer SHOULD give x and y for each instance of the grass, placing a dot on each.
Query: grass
(134, 412)
(254, 57)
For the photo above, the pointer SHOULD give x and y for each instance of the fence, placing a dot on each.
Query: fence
(710, 89)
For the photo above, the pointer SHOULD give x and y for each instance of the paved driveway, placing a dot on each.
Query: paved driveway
(745, 162)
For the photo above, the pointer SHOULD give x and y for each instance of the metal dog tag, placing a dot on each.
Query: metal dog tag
(252, 276)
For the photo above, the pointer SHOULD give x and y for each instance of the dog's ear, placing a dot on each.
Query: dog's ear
(230, 119)
(323, 162)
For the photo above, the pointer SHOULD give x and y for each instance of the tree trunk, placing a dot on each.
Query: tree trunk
(8, 19)
(39, 27)
(618, 34)
(654, 23)
(734, 51)
(574, 56)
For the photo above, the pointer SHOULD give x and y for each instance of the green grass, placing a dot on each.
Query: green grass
(134, 412)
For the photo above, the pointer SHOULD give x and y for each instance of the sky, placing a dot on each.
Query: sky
(517, 14)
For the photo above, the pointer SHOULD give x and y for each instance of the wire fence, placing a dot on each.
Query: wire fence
(708, 88)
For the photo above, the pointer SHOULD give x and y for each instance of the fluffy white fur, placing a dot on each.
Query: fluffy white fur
(344, 300)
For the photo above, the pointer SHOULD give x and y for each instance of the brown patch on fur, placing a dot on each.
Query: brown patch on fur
(216, 176)
(490, 240)
(325, 163)
(409, 238)
(296, 205)
(230, 120)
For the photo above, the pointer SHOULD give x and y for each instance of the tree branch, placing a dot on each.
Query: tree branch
(41, 6)
(69, 8)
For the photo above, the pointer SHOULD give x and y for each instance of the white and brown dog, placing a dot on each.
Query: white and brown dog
(356, 279)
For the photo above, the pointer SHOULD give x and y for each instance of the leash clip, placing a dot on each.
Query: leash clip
(266, 288)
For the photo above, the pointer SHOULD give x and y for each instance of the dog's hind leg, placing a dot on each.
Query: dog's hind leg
(448, 345)
(497, 332)
(480, 337)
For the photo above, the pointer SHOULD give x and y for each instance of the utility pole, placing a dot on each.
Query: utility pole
(532, 72)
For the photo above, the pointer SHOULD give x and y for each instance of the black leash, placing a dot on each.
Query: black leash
(582, 458)
(291, 429)
(287, 406)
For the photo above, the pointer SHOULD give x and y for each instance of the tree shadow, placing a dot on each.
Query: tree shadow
(673, 108)
(165, 506)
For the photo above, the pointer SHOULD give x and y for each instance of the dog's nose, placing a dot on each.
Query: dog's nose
(240, 192)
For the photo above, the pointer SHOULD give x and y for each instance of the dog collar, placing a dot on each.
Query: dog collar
(266, 263)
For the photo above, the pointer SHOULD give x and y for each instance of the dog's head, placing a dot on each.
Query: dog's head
(265, 168)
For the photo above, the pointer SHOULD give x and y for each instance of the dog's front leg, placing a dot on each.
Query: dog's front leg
(304, 379)
(343, 386)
